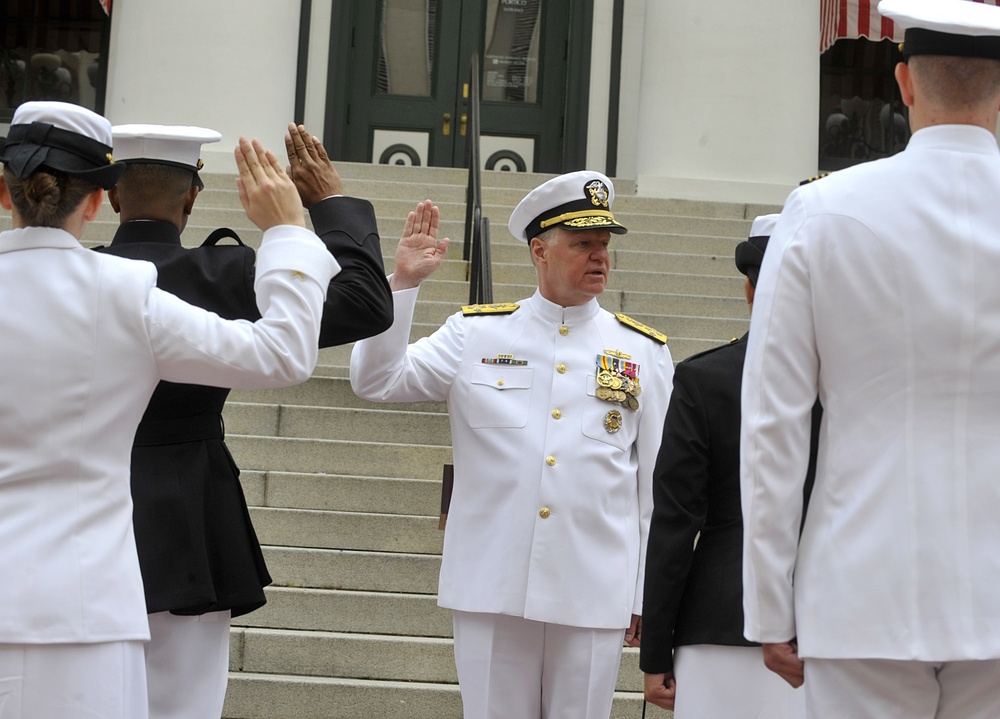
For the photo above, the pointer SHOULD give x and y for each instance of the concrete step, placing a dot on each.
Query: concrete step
(650, 303)
(364, 176)
(342, 493)
(367, 656)
(265, 696)
(402, 614)
(359, 424)
(410, 461)
(340, 654)
(394, 572)
(360, 531)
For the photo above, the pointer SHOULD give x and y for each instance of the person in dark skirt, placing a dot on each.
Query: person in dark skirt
(200, 558)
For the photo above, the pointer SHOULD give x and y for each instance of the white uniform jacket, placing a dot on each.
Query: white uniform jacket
(880, 291)
(84, 338)
(550, 510)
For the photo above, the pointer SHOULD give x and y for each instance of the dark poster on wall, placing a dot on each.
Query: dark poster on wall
(510, 65)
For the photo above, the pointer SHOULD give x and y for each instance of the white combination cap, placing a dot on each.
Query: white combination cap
(178, 145)
(750, 252)
(62, 137)
(65, 116)
(946, 27)
(575, 201)
(763, 225)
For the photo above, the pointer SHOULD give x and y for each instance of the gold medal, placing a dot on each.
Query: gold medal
(633, 403)
(613, 421)
(619, 395)
(604, 379)
(616, 382)
(605, 393)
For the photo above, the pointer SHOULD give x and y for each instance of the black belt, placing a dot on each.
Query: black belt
(178, 430)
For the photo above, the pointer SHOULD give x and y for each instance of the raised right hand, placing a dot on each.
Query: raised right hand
(419, 253)
(268, 195)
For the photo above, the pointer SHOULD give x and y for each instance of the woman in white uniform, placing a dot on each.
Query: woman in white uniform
(84, 339)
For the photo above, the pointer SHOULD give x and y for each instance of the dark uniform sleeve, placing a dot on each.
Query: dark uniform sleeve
(359, 302)
(680, 502)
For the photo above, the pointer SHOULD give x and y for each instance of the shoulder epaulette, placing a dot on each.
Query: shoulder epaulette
(814, 178)
(497, 308)
(641, 328)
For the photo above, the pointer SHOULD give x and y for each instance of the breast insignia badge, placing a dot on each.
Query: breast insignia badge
(618, 380)
(613, 421)
(506, 359)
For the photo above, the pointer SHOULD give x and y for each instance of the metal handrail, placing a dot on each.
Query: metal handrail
(476, 249)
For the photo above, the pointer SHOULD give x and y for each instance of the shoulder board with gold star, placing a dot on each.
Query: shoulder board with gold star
(497, 308)
(641, 328)
(814, 178)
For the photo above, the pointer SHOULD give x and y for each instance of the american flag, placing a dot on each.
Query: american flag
(849, 19)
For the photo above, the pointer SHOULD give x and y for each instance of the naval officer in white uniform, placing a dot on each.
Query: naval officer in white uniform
(556, 410)
(84, 339)
(879, 291)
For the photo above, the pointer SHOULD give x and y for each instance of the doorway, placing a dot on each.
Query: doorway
(407, 85)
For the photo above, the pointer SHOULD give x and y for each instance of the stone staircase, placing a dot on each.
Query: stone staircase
(345, 493)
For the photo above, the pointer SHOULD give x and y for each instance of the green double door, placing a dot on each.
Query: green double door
(408, 81)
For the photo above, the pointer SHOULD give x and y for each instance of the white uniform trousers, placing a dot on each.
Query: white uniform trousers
(72, 681)
(896, 689)
(187, 665)
(731, 682)
(514, 667)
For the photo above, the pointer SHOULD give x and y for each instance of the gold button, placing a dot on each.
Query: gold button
(564, 330)
(499, 383)
(544, 512)
(561, 368)
(550, 460)
(556, 414)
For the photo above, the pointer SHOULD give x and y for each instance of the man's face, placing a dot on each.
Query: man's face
(573, 267)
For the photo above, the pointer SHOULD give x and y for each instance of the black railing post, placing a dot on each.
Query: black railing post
(476, 249)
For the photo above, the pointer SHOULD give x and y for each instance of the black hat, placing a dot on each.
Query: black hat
(63, 137)
(750, 252)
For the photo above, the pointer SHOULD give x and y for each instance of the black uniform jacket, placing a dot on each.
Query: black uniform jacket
(694, 594)
(197, 548)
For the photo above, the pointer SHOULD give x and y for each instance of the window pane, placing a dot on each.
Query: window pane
(861, 115)
(513, 36)
(51, 50)
(406, 47)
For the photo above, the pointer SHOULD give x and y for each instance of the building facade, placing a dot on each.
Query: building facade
(729, 101)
